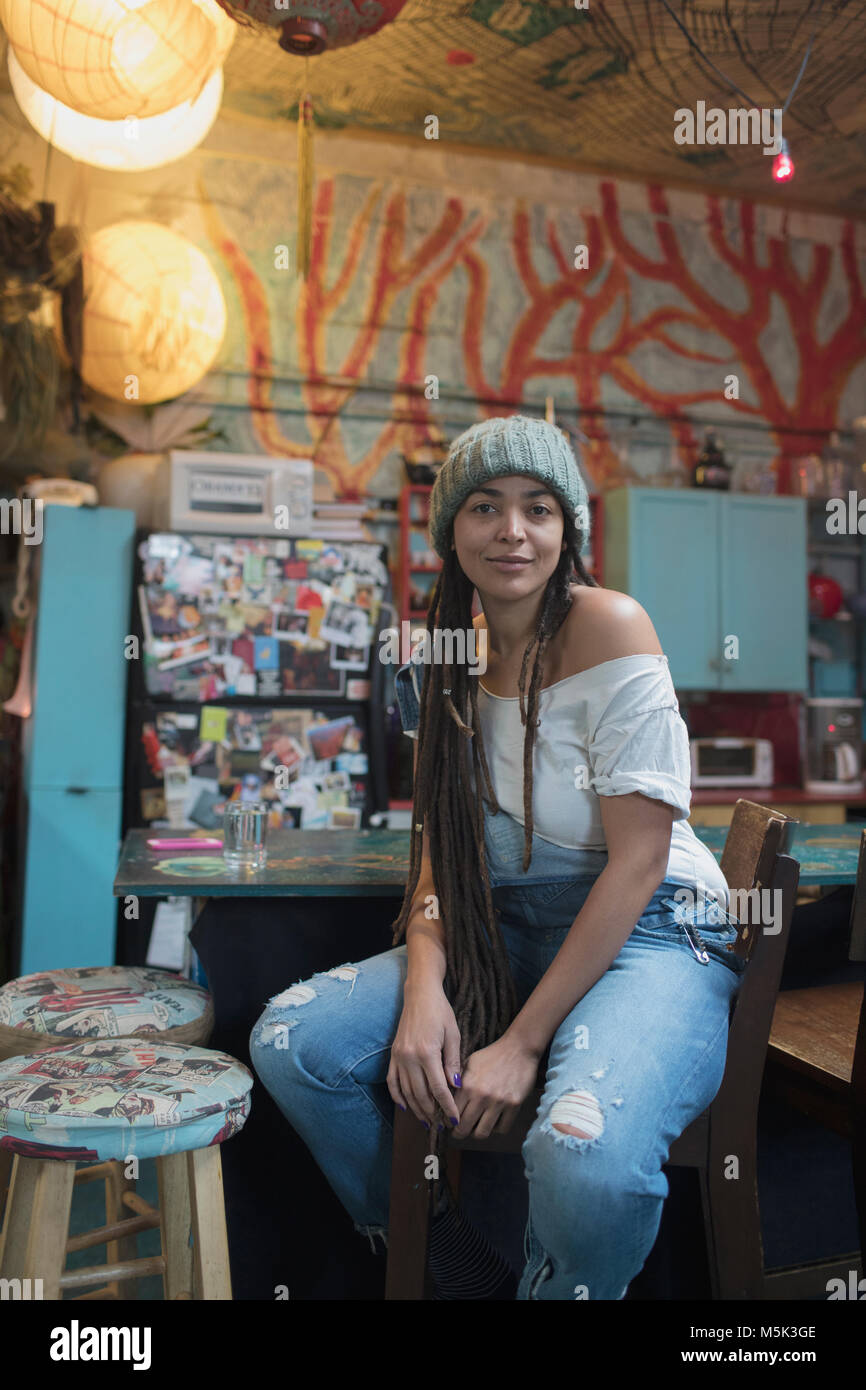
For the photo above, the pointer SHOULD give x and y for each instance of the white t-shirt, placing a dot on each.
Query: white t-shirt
(611, 729)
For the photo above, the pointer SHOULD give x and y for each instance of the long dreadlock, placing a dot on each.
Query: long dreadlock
(448, 806)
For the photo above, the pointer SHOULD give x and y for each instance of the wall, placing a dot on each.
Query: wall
(428, 261)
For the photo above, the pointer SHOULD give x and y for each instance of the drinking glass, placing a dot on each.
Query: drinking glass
(245, 828)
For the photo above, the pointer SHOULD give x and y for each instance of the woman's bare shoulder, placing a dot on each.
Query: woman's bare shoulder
(603, 624)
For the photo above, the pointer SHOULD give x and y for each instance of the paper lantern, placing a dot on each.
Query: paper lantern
(117, 58)
(154, 315)
(124, 145)
(311, 26)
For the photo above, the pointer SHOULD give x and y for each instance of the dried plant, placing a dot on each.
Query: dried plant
(150, 429)
(37, 262)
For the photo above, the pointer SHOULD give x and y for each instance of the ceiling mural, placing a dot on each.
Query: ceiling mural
(597, 86)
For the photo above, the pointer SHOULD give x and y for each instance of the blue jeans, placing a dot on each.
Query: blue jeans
(635, 1061)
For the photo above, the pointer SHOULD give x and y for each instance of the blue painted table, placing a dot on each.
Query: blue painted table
(826, 854)
(324, 898)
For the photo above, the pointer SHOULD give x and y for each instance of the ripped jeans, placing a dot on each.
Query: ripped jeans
(638, 1058)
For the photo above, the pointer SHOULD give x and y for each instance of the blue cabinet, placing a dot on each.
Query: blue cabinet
(73, 846)
(73, 740)
(723, 578)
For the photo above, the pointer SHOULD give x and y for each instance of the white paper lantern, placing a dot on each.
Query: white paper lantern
(154, 313)
(117, 58)
(128, 145)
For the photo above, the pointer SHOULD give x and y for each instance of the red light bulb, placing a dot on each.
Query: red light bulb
(783, 164)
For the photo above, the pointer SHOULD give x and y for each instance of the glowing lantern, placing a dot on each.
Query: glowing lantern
(112, 59)
(124, 145)
(154, 316)
(311, 26)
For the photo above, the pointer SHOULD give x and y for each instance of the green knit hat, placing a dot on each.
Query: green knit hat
(495, 448)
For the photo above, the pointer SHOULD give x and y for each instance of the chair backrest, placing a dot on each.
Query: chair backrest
(752, 859)
(857, 951)
(857, 921)
(755, 837)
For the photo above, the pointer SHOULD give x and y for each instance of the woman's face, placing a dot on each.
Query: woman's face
(509, 536)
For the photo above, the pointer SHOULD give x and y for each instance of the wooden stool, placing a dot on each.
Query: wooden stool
(99, 1102)
(55, 1007)
(104, 1001)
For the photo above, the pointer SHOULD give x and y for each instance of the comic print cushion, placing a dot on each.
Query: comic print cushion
(112, 1001)
(92, 1101)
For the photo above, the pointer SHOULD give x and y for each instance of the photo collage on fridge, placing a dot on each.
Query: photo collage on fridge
(272, 641)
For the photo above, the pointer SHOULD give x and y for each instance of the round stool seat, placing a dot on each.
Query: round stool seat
(92, 1101)
(105, 1001)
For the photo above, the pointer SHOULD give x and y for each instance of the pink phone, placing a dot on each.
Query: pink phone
(185, 844)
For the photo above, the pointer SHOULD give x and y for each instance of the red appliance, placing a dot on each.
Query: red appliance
(774, 716)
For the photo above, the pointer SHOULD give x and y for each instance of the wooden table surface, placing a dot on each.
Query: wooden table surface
(353, 863)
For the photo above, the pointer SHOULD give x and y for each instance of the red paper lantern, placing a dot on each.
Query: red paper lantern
(310, 26)
(825, 596)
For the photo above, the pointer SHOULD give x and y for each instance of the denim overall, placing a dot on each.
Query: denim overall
(638, 1058)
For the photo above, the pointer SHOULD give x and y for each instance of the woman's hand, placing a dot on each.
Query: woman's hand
(425, 1054)
(496, 1082)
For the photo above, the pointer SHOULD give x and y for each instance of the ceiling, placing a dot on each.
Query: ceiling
(594, 88)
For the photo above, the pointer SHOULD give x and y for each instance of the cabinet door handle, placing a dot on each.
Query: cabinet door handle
(76, 791)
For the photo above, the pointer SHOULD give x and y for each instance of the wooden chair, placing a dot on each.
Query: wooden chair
(816, 1061)
(754, 858)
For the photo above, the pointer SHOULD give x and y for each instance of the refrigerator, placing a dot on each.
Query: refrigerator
(259, 680)
(73, 740)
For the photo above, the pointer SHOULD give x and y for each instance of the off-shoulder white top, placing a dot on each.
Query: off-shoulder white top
(611, 729)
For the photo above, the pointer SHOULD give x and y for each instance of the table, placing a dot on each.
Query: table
(325, 897)
(301, 863)
(375, 863)
(827, 854)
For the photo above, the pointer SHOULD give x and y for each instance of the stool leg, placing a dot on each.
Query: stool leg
(37, 1222)
(118, 1251)
(6, 1160)
(175, 1225)
(211, 1246)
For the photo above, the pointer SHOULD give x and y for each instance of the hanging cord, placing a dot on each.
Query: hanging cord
(696, 46)
(21, 603)
(305, 177)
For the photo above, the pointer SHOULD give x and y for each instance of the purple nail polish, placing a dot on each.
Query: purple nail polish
(425, 1124)
(402, 1107)
(440, 1126)
(453, 1121)
(457, 1081)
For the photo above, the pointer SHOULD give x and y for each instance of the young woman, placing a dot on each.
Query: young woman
(559, 906)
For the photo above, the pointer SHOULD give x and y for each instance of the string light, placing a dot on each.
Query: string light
(783, 164)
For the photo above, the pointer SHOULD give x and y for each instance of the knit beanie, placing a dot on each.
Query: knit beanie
(495, 448)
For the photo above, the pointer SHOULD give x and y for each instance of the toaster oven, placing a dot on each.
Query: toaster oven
(731, 762)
